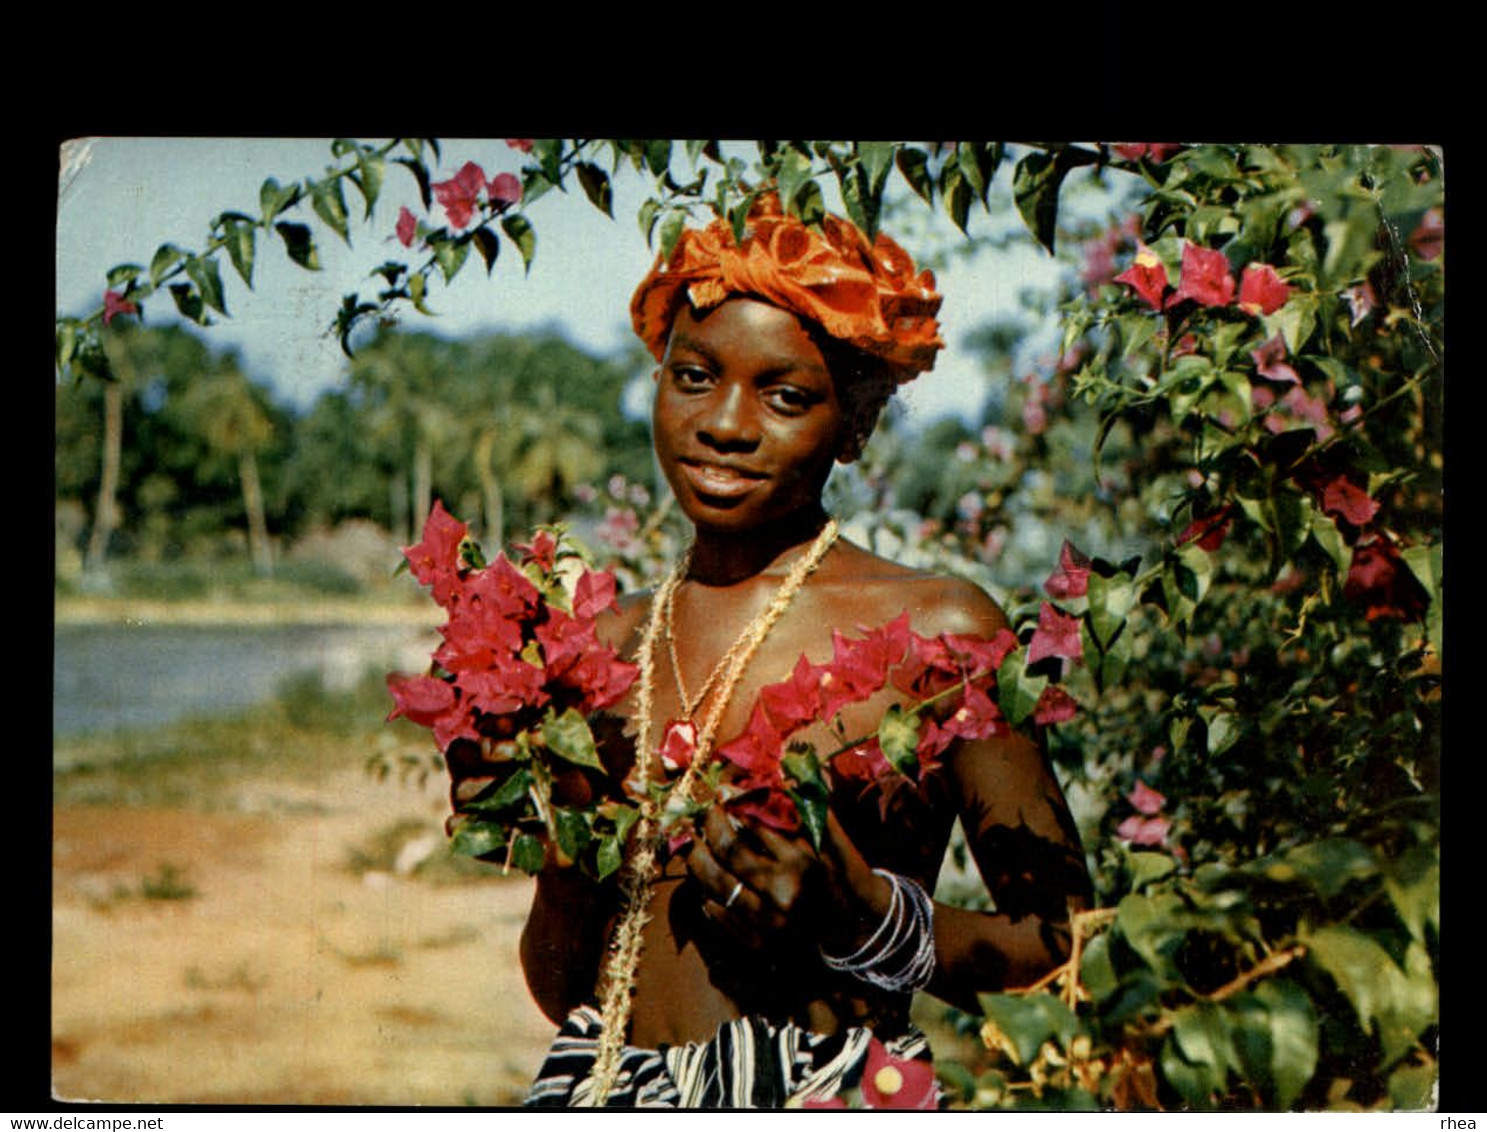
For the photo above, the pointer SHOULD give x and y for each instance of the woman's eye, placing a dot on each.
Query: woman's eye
(788, 399)
(687, 377)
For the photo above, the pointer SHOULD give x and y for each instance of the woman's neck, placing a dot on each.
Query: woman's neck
(724, 558)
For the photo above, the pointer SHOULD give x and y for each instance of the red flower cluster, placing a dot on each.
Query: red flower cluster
(920, 667)
(1146, 826)
(115, 304)
(1155, 152)
(1207, 279)
(1380, 580)
(508, 652)
(460, 195)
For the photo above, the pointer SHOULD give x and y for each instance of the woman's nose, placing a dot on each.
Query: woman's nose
(728, 421)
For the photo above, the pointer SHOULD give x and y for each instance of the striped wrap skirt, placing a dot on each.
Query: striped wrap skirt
(748, 1063)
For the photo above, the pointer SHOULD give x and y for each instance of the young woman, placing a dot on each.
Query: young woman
(760, 971)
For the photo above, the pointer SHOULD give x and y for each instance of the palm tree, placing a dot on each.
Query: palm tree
(228, 413)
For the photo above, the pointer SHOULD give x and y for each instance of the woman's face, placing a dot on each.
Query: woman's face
(747, 422)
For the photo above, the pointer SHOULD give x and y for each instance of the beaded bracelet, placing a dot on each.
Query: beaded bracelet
(900, 955)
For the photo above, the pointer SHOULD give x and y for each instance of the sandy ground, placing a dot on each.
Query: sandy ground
(237, 958)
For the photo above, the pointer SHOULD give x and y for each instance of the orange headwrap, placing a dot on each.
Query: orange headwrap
(866, 294)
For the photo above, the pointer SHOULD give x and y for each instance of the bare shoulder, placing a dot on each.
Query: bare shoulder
(876, 590)
(619, 628)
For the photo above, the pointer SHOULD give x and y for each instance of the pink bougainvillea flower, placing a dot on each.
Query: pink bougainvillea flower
(977, 717)
(1346, 500)
(756, 750)
(1057, 635)
(1054, 706)
(541, 550)
(407, 227)
(897, 1082)
(1429, 237)
(772, 808)
(523, 144)
(594, 593)
(1147, 276)
(1156, 152)
(1262, 290)
(796, 701)
(436, 561)
(678, 744)
(507, 685)
(1379, 579)
(115, 304)
(461, 193)
(866, 762)
(1270, 361)
(1210, 531)
(1144, 831)
(1145, 800)
(421, 699)
(504, 189)
(1071, 578)
(1308, 409)
(1205, 278)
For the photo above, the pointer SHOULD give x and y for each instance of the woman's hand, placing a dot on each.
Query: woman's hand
(759, 883)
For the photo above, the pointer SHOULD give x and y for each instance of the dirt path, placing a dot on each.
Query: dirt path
(235, 958)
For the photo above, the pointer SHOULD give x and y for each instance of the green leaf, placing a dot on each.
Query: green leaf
(477, 838)
(573, 832)
(1017, 692)
(1029, 1020)
(1413, 882)
(503, 795)
(568, 736)
(1223, 730)
(299, 244)
(188, 302)
(646, 218)
(329, 202)
(1035, 187)
(795, 171)
(1412, 1087)
(1425, 563)
(671, 231)
(274, 199)
(595, 184)
(877, 159)
(958, 196)
(658, 155)
(1151, 925)
(610, 857)
(66, 343)
(1294, 1035)
(898, 736)
(1197, 1081)
(370, 172)
(450, 255)
(166, 256)
(1326, 535)
(1396, 1004)
(421, 175)
(1147, 866)
(811, 203)
(488, 244)
(1110, 601)
(1330, 865)
(528, 854)
(520, 231)
(241, 239)
(122, 273)
(914, 165)
(1202, 1033)
(417, 285)
(812, 804)
(1096, 970)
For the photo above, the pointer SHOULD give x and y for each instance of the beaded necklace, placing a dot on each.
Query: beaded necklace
(618, 983)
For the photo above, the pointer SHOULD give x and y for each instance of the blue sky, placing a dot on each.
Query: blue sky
(120, 198)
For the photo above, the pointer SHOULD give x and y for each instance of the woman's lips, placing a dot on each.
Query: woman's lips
(720, 481)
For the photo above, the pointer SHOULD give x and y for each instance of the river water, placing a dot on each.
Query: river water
(110, 677)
